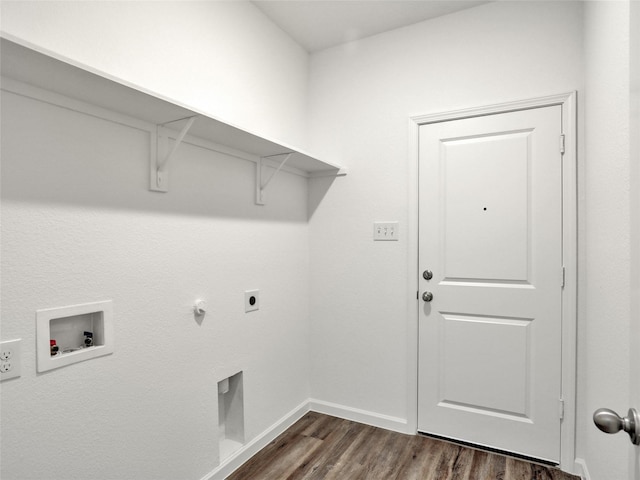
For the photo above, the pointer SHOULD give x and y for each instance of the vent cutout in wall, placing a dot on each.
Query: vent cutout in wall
(230, 415)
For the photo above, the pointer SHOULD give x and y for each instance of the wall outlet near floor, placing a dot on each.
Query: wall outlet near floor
(385, 231)
(251, 300)
(10, 359)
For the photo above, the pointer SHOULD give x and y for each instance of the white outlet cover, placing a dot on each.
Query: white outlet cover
(251, 300)
(10, 359)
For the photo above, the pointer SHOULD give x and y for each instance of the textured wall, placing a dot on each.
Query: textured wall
(79, 225)
(225, 58)
(362, 95)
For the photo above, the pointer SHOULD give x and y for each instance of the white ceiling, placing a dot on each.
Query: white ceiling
(320, 24)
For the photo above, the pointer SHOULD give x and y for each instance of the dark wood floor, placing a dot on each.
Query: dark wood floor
(323, 447)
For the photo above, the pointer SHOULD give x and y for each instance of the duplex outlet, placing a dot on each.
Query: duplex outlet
(251, 300)
(10, 359)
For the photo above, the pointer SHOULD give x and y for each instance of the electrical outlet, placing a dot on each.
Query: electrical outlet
(385, 231)
(10, 361)
(251, 300)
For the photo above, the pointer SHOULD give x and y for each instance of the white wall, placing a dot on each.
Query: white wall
(362, 95)
(605, 291)
(226, 58)
(79, 225)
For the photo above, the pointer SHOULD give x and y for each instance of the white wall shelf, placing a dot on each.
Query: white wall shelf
(45, 70)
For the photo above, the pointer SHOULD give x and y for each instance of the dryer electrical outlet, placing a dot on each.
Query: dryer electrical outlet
(251, 300)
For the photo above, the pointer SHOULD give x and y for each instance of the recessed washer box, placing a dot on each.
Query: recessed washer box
(69, 327)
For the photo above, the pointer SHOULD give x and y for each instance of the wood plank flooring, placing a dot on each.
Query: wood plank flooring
(328, 448)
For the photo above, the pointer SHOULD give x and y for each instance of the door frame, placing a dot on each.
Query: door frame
(569, 254)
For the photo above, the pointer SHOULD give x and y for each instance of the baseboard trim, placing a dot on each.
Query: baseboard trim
(236, 460)
(581, 469)
(361, 416)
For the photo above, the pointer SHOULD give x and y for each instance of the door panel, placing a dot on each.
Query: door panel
(490, 210)
(490, 386)
(491, 232)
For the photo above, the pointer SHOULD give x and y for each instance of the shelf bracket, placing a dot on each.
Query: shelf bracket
(161, 155)
(261, 185)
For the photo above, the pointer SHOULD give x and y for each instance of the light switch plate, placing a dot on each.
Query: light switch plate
(385, 231)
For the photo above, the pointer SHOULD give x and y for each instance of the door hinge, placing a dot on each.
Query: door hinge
(563, 277)
(561, 409)
(562, 144)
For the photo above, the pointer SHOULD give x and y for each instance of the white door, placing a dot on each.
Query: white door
(490, 227)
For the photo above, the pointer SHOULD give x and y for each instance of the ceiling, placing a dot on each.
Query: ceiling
(320, 24)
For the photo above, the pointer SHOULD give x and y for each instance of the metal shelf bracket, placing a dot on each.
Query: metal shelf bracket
(161, 155)
(262, 185)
